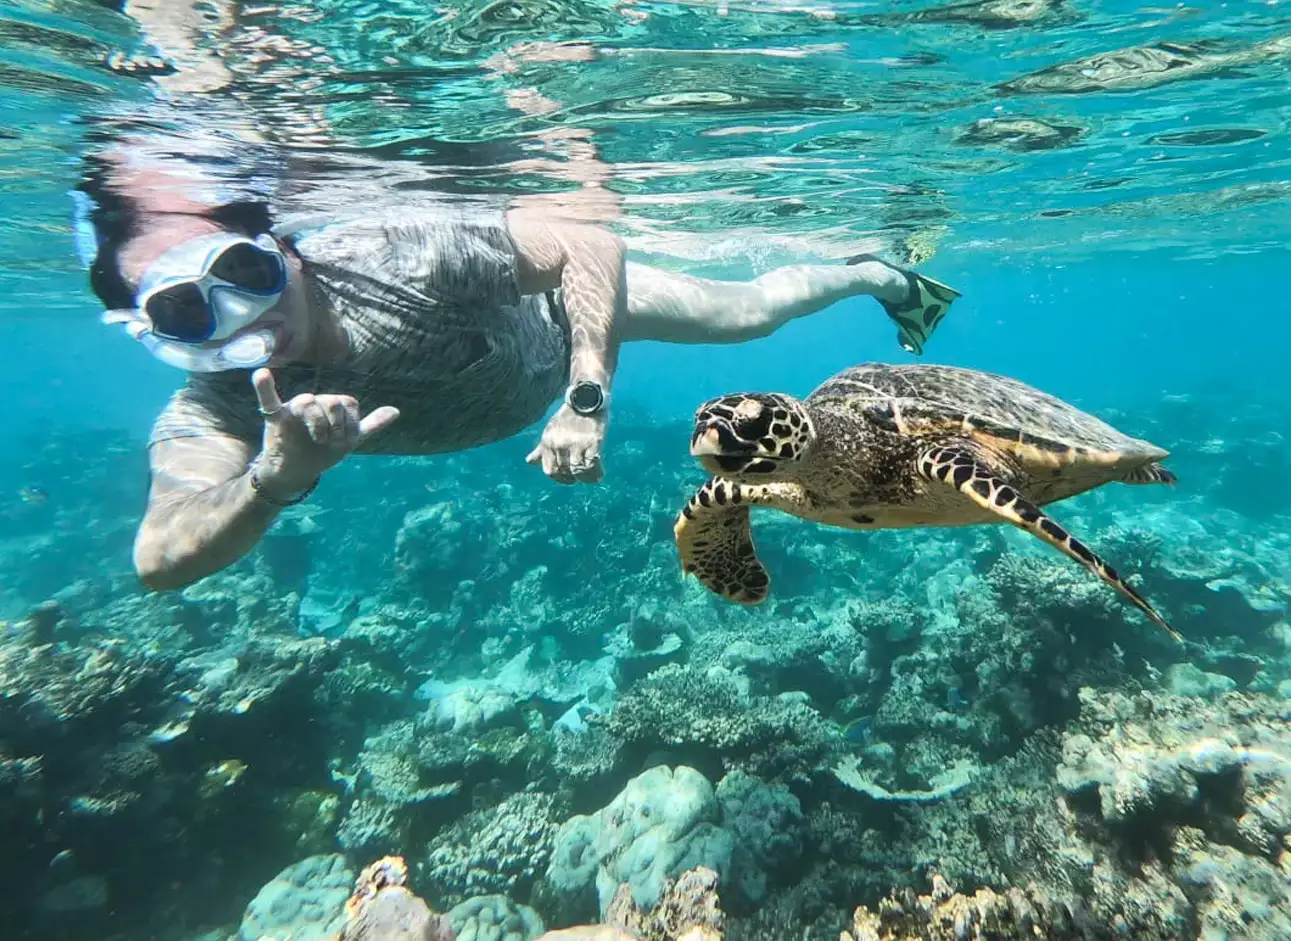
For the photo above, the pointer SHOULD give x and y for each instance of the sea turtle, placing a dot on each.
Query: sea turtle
(881, 446)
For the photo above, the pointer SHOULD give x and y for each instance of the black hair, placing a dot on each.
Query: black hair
(116, 218)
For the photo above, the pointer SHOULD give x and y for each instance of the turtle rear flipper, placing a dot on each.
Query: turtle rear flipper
(1153, 473)
(962, 467)
(715, 540)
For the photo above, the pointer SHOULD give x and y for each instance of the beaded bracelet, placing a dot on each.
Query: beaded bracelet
(258, 486)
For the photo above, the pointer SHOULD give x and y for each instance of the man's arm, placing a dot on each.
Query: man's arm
(587, 263)
(211, 502)
(185, 31)
(203, 514)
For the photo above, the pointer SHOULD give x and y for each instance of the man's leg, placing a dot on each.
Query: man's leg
(677, 308)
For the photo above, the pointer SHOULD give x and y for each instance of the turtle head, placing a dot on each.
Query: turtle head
(752, 434)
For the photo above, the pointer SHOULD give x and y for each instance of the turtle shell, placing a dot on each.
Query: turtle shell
(1035, 429)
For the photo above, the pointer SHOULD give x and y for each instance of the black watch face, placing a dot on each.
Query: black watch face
(586, 397)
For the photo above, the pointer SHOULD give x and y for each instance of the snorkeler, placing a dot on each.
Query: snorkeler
(410, 329)
(452, 326)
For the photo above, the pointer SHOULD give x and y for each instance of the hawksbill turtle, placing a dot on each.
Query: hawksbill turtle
(885, 446)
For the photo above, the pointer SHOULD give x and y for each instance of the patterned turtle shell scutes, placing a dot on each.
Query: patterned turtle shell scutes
(1034, 428)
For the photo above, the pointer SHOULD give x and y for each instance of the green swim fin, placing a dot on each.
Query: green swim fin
(917, 317)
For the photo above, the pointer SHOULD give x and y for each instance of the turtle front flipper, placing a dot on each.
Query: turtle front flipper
(962, 467)
(715, 540)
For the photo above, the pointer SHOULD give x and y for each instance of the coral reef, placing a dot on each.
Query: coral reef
(767, 831)
(382, 908)
(664, 822)
(705, 717)
(498, 851)
(1012, 915)
(415, 774)
(1154, 816)
(311, 900)
(388, 790)
(111, 750)
(1183, 809)
(494, 918)
(687, 908)
(306, 901)
(962, 704)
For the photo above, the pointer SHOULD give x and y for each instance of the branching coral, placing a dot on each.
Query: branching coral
(707, 716)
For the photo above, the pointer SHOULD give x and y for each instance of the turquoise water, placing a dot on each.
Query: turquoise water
(431, 652)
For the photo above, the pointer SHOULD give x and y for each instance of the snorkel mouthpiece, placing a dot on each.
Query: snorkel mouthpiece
(248, 351)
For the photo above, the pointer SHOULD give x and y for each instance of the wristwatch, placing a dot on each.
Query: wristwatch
(585, 397)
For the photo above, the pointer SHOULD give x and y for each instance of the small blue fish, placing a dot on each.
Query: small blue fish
(858, 731)
(955, 700)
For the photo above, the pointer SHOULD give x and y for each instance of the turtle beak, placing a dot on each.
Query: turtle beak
(718, 449)
(707, 441)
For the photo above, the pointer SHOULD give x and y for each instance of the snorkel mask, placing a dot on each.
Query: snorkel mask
(207, 289)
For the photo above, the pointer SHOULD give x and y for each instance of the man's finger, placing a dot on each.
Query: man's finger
(310, 411)
(266, 393)
(335, 410)
(557, 470)
(547, 459)
(560, 470)
(535, 456)
(351, 423)
(377, 420)
(589, 470)
(593, 470)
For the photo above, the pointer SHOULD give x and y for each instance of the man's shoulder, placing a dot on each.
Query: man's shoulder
(450, 252)
(393, 224)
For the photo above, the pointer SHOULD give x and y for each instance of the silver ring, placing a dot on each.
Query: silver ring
(272, 413)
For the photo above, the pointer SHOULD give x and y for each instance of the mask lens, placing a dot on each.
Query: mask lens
(250, 268)
(180, 313)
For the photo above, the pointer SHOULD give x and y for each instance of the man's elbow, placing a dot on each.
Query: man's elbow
(155, 571)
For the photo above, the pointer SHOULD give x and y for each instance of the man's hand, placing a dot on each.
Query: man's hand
(309, 434)
(570, 449)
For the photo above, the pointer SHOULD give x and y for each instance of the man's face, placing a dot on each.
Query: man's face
(289, 319)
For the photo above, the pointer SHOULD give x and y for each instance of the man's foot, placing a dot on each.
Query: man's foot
(925, 304)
